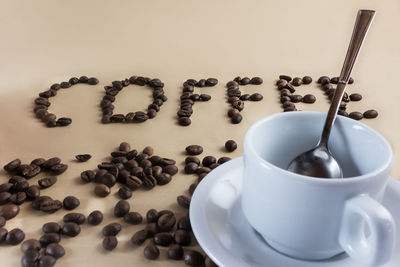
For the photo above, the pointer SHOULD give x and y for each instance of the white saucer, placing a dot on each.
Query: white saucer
(222, 231)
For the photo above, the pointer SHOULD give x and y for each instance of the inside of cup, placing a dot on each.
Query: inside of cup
(358, 149)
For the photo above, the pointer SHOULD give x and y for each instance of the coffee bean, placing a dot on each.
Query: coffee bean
(184, 224)
(192, 159)
(307, 80)
(139, 237)
(111, 229)
(55, 86)
(245, 81)
(95, 217)
(183, 201)
(51, 206)
(342, 113)
(334, 80)
(121, 208)
(193, 258)
(32, 171)
(211, 82)
(71, 229)
(83, 157)
(170, 169)
(30, 244)
(65, 85)
(208, 160)
(370, 114)
(203, 169)
(108, 179)
(175, 252)
(47, 261)
(296, 98)
(193, 186)
(230, 146)
(33, 192)
(42, 101)
(356, 115)
(351, 80)
(88, 176)
(323, 80)
(151, 252)
(51, 162)
(355, 97)
(18, 198)
(133, 182)
(30, 258)
(38, 201)
(49, 238)
(51, 227)
(2, 221)
(12, 165)
(256, 81)
(163, 179)
(297, 81)
(70, 203)
(9, 211)
(47, 182)
(64, 121)
(191, 168)
(15, 236)
(93, 81)
(74, 217)
(182, 237)
(110, 242)
(309, 99)
(194, 150)
(256, 97)
(288, 104)
(124, 192)
(3, 235)
(4, 197)
(124, 147)
(5, 187)
(237, 118)
(285, 77)
(163, 239)
(244, 97)
(102, 190)
(184, 121)
(54, 250)
(166, 222)
(151, 216)
(133, 218)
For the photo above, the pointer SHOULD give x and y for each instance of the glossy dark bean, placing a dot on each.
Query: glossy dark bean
(139, 237)
(351, 80)
(151, 216)
(191, 167)
(184, 121)
(307, 80)
(65, 85)
(3, 234)
(47, 181)
(323, 80)
(124, 192)
(50, 206)
(38, 201)
(70, 203)
(285, 77)
(309, 99)
(193, 186)
(163, 239)
(111, 229)
(49, 238)
(51, 227)
(133, 182)
(12, 165)
(121, 208)
(166, 222)
(163, 179)
(108, 179)
(83, 157)
(102, 190)
(355, 97)
(30, 244)
(193, 258)
(95, 217)
(151, 252)
(370, 114)
(71, 229)
(230, 146)
(192, 159)
(297, 81)
(18, 198)
(183, 201)
(237, 118)
(194, 150)
(15, 236)
(47, 261)
(88, 176)
(51, 162)
(55, 250)
(175, 252)
(2, 221)
(208, 160)
(4, 197)
(182, 237)
(170, 169)
(133, 218)
(356, 115)
(74, 217)
(64, 121)
(30, 258)
(256, 81)
(9, 211)
(5, 187)
(110, 242)
(92, 81)
(33, 192)
(184, 224)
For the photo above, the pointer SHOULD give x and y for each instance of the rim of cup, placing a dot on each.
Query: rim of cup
(249, 146)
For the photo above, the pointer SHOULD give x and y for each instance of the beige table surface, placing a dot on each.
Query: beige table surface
(44, 42)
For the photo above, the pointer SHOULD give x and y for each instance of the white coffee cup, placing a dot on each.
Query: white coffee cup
(314, 218)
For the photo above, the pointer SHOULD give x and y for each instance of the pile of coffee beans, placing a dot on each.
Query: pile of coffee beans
(18, 190)
(112, 90)
(188, 98)
(326, 86)
(236, 99)
(42, 103)
(286, 85)
(132, 169)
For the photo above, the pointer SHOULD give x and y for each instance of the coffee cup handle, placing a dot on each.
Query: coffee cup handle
(377, 248)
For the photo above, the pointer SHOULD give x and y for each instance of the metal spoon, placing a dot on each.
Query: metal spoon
(319, 162)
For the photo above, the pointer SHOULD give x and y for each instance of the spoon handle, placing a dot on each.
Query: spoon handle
(363, 21)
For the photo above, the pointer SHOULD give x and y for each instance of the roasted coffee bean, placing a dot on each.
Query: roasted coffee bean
(205, 97)
(166, 161)
(239, 105)
(182, 237)
(166, 222)
(244, 97)
(235, 119)
(139, 237)
(149, 182)
(309, 99)
(18, 198)
(157, 170)
(15, 179)
(256, 97)
(284, 99)
(285, 77)
(323, 80)
(133, 218)
(356, 115)
(83, 157)
(33, 192)
(193, 258)
(124, 192)
(121, 208)
(93, 81)
(102, 190)
(307, 80)
(51, 227)
(297, 81)
(193, 186)
(15, 236)
(342, 113)
(3, 235)
(184, 121)
(184, 224)
(355, 97)
(183, 201)
(288, 104)
(108, 179)
(42, 101)
(65, 85)
(211, 82)
(111, 229)
(9, 211)
(2, 221)
(170, 169)
(230, 146)
(141, 157)
(71, 229)
(47, 182)
(232, 84)
(50, 120)
(38, 201)
(151, 113)
(88, 176)
(175, 252)
(245, 81)
(370, 114)
(4, 197)
(151, 252)
(70, 203)
(296, 98)
(191, 168)
(55, 250)
(233, 111)
(30, 244)
(192, 159)
(141, 116)
(151, 216)
(55, 86)
(163, 239)
(152, 229)
(74, 217)
(47, 261)
(133, 183)
(334, 80)
(73, 80)
(256, 80)
(30, 258)
(95, 217)
(33, 171)
(51, 206)
(110, 242)
(201, 83)
(117, 118)
(64, 121)
(49, 238)
(5, 187)
(208, 160)
(163, 179)
(12, 165)
(51, 162)
(145, 164)
(194, 150)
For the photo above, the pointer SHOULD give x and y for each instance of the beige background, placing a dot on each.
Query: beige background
(44, 42)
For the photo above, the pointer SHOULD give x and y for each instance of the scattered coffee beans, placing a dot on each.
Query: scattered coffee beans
(71, 229)
(70, 203)
(95, 217)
